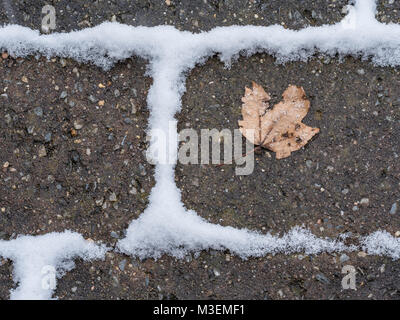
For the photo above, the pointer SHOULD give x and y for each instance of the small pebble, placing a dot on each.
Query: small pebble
(63, 95)
(330, 168)
(42, 151)
(128, 120)
(47, 137)
(99, 202)
(393, 209)
(322, 278)
(114, 235)
(78, 125)
(113, 197)
(122, 264)
(38, 111)
(142, 170)
(93, 99)
(362, 254)
(8, 118)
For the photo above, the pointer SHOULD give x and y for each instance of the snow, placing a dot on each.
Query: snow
(358, 34)
(382, 243)
(33, 256)
(166, 227)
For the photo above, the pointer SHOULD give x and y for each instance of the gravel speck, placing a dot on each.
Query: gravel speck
(38, 111)
(322, 278)
(93, 99)
(113, 197)
(362, 254)
(217, 273)
(47, 137)
(142, 170)
(78, 125)
(114, 235)
(42, 151)
(393, 209)
(122, 264)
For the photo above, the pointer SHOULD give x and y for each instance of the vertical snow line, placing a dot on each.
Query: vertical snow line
(365, 11)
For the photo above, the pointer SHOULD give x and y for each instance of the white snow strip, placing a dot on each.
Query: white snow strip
(382, 243)
(357, 34)
(166, 227)
(39, 260)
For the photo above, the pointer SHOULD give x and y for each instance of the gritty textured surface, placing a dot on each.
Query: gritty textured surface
(217, 275)
(388, 11)
(52, 182)
(185, 15)
(73, 141)
(193, 16)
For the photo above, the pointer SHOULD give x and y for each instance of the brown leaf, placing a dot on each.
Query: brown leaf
(278, 129)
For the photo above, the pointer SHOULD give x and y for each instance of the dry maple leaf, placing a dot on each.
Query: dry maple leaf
(278, 129)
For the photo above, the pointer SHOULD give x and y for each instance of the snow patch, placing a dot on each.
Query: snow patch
(382, 243)
(35, 258)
